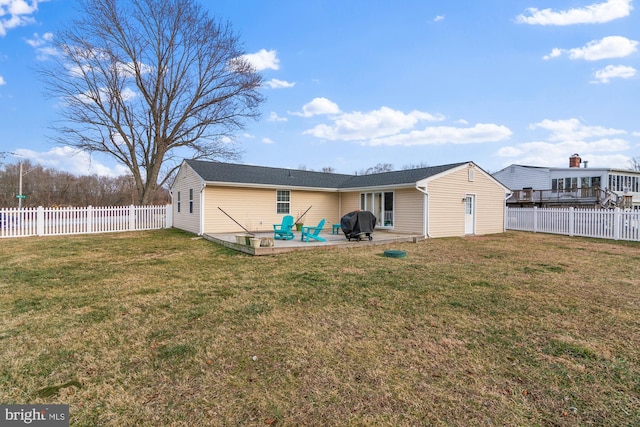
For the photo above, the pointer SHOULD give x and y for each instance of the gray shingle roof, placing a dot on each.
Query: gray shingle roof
(248, 174)
(409, 176)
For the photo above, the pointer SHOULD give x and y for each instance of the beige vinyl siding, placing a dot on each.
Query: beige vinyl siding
(490, 209)
(447, 209)
(350, 203)
(255, 208)
(408, 211)
(408, 208)
(185, 180)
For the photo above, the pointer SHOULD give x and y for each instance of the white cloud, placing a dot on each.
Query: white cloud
(389, 127)
(608, 47)
(267, 140)
(614, 72)
(16, 13)
(273, 117)
(438, 135)
(2, 81)
(596, 13)
(263, 60)
(71, 160)
(597, 153)
(438, 18)
(574, 130)
(126, 95)
(555, 53)
(373, 124)
(39, 40)
(599, 145)
(317, 107)
(279, 84)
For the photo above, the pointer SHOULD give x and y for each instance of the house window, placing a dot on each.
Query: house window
(585, 182)
(472, 175)
(623, 183)
(283, 201)
(559, 184)
(178, 202)
(588, 185)
(191, 200)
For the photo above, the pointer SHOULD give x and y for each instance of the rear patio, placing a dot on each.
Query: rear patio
(334, 241)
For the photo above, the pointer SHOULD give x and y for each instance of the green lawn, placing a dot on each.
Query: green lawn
(161, 329)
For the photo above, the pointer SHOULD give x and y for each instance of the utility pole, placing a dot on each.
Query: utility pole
(21, 196)
(20, 189)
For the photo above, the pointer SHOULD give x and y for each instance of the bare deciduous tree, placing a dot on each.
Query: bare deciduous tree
(379, 168)
(634, 163)
(415, 166)
(49, 187)
(150, 82)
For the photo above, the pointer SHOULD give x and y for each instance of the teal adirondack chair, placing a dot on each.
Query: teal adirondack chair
(312, 233)
(283, 231)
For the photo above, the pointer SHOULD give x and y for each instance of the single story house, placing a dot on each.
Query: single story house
(571, 186)
(450, 200)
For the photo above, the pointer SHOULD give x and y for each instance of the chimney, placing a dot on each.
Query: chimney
(574, 161)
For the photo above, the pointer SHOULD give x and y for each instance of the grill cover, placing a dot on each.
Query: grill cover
(358, 222)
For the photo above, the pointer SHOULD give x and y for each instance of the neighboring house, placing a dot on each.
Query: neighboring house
(572, 186)
(450, 200)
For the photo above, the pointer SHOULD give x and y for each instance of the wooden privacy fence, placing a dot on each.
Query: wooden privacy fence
(42, 221)
(613, 224)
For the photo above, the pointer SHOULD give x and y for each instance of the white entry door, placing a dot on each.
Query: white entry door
(469, 214)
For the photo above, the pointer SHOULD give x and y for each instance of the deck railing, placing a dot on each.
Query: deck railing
(584, 195)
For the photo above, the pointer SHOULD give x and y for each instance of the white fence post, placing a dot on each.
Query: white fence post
(40, 221)
(168, 216)
(571, 222)
(535, 219)
(89, 219)
(616, 223)
(132, 217)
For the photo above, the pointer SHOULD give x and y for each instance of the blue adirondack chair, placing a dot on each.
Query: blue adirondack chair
(312, 233)
(283, 231)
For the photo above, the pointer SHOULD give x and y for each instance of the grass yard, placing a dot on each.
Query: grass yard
(163, 329)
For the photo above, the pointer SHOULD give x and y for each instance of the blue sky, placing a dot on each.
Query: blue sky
(350, 84)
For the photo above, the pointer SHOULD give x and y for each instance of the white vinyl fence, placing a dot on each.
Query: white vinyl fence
(64, 221)
(613, 224)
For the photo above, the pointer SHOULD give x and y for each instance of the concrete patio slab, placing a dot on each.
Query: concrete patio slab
(334, 241)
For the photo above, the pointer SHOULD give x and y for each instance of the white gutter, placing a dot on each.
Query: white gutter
(425, 219)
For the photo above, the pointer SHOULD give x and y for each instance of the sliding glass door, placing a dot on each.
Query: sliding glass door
(381, 205)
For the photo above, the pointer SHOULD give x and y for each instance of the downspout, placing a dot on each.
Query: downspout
(172, 206)
(204, 185)
(425, 218)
